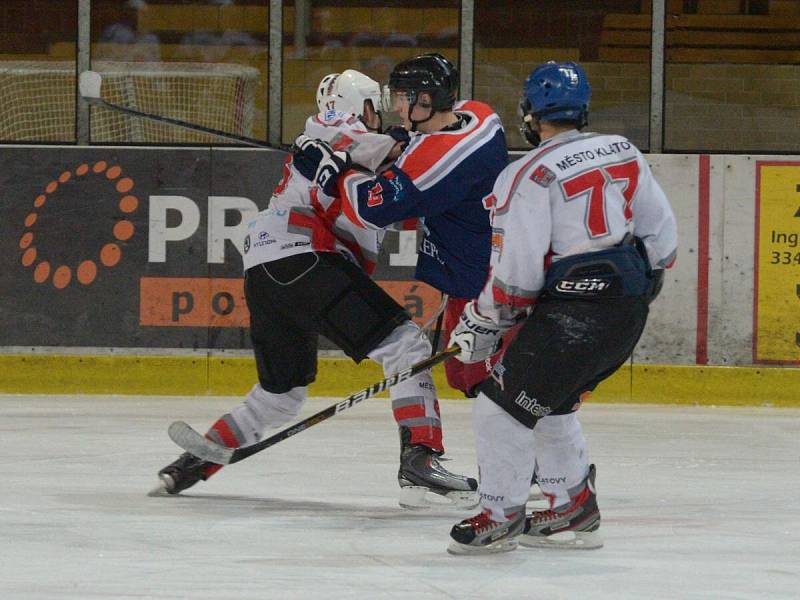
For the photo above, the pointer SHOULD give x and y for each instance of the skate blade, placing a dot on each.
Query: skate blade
(566, 540)
(459, 549)
(160, 491)
(417, 497)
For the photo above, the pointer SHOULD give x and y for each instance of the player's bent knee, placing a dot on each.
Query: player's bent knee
(360, 317)
(403, 347)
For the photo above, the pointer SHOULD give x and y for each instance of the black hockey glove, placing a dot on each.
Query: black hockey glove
(306, 156)
(327, 163)
(399, 134)
(331, 167)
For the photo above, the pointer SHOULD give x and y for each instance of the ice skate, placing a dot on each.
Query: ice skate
(573, 525)
(424, 482)
(181, 475)
(483, 535)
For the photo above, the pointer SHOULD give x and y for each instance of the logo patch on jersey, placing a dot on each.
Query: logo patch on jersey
(543, 176)
(342, 141)
(397, 185)
(375, 197)
(247, 243)
(263, 240)
(497, 374)
(498, 234)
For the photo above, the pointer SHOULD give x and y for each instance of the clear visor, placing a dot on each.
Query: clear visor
(394, 100)
(386, 99)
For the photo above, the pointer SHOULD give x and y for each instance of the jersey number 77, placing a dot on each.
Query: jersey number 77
(595, 184)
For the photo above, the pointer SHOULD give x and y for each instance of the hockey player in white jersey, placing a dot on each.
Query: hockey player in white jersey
(457, 151)
(582, 233)
(307, 273)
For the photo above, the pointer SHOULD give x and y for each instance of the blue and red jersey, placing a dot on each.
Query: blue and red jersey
(440, 178)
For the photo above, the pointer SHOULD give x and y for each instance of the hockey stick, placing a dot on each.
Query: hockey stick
(438, 333)
(90, 82)
(195, 443)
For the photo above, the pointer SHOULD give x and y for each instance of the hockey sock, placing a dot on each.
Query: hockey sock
(245, 424)
(221, 432)
(560, 456)
(414, 402)
(505, 451)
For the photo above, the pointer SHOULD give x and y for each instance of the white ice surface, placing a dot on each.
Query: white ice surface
(696, 503)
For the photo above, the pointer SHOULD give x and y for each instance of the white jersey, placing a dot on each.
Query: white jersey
(574, 193)
(300, 218)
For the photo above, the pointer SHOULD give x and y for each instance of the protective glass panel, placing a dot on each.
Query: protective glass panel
(202, 61)
(610, 38)
(37, 70)
(732, 76)
(323, 36)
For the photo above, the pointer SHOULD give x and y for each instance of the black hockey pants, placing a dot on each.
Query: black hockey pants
(292, 300)
(565, 348)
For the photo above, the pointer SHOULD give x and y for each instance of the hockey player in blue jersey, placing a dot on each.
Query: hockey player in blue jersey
(455, 153)
(302, 251)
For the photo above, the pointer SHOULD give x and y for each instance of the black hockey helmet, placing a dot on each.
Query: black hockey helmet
(430, 73)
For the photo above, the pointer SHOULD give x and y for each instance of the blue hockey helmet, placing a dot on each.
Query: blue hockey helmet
(558, 92)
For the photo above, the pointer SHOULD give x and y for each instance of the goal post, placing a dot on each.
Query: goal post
(37, 101)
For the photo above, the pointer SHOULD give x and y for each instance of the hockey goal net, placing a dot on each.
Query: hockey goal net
(37, 101)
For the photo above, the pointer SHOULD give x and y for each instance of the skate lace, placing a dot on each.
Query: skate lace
(481, 522)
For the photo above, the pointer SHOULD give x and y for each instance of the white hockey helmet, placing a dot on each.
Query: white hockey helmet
(347, 91)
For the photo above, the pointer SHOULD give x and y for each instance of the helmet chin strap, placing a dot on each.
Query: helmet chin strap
(411, 106)
(379, 128)
(415, 123)
(529, 131)
(377, 113)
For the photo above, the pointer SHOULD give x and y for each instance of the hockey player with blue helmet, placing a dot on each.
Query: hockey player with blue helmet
(582, 233)
(554, 92)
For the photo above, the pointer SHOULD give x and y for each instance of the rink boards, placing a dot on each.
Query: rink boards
(108, 251)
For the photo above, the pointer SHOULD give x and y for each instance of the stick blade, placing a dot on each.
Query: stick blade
(89, 84)
(191, 441)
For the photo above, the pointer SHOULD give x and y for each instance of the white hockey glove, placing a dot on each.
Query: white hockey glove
(477, 336)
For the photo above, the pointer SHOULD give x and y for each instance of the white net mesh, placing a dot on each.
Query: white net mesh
(37, 101)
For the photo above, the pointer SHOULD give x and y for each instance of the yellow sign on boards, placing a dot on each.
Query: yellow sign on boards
(777, 303)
